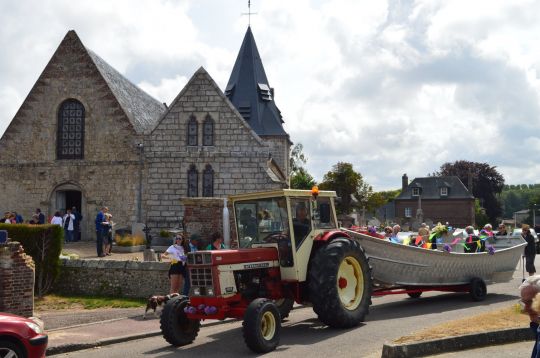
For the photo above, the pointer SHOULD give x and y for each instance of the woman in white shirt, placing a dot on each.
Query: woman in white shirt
(177, 253)
(57, 219)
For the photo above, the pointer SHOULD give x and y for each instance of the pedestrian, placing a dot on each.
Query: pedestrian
(216, 240)
(34, 220)
(193, 247)
(502, 231)
(107, 234)
(7, 217)
(18, 218)
(101, 224)
(528, 290)
(56, 219)
(530, 250)
(68, 225)
(41, 216)
(177, 254)
(77, 227)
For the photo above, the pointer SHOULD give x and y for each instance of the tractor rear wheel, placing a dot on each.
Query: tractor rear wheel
(262, 326)
(284, 306)
(340, 283)
(177, 329)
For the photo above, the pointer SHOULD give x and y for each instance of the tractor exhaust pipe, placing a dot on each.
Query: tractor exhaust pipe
(226, 225)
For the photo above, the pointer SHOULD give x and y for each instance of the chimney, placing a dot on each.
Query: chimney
(404, 182)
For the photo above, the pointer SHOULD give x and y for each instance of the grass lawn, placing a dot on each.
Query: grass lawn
(509, 317)
(59, 302)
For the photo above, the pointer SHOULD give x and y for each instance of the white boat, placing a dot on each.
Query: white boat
(402, 265)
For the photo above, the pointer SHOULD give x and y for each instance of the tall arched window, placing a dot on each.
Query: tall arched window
(192, 131)
(208, 181)
(193, 182)
(208, 131)
(70, 130)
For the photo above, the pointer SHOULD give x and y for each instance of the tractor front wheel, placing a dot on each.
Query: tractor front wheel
(284, 306)
(177, 329)
(340, 283)
(262, 325)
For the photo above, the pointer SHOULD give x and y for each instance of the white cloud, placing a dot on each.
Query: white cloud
(393, 87)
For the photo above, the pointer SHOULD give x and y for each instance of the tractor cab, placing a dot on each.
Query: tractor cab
(287, 219)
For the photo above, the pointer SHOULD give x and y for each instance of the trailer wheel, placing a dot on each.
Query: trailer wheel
(414, 294)
(262, 325)
(284, 306)
(177, 329)
(477, 289)
(340, 283)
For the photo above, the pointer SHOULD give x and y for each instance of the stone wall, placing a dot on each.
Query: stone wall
(204, 216)
(113, 278)
(238, 157)
(17, 275)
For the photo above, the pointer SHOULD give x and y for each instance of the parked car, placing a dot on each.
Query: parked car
(21, 337)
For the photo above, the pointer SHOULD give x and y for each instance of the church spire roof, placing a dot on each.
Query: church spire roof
(248, 89)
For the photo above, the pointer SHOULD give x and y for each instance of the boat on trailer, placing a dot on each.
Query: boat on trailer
(398, 268)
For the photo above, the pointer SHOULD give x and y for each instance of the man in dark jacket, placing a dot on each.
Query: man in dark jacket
(530, 249)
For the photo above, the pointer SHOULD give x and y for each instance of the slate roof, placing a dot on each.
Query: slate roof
(249, 91)
(142, 110)
(430, 188)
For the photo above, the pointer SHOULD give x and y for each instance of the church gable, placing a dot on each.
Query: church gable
(96, 125)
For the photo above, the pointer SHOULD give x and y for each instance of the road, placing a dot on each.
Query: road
(390, 317)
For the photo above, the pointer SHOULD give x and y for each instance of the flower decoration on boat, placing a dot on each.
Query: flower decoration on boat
(447, 248)
(491, 249)
(372, 230)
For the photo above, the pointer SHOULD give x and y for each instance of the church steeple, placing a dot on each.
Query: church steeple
(248, 89)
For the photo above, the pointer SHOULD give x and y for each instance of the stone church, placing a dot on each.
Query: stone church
(86, 136)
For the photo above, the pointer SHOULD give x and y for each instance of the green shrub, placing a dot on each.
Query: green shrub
(164, 233)
(44, 244)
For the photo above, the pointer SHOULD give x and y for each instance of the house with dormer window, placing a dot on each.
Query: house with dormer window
(440, 199)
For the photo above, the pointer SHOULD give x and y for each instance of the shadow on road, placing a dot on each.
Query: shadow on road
(425, 305)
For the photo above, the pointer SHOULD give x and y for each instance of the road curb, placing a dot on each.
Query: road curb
(476, 340)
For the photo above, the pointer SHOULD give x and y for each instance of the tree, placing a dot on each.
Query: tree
(381, 198)
(349, 186)
(301, 179)
(487, 183)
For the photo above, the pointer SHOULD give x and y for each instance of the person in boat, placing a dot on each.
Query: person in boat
(530, 249)
(471, 242)
(424, 232)
(387, 232)
(395, 230)
(502, 231)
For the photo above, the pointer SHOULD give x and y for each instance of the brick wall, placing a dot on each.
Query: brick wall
(459, 213)
(203, 216)
(17, 274)
(113, 278)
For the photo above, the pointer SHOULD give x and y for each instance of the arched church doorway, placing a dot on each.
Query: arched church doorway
(66, 196)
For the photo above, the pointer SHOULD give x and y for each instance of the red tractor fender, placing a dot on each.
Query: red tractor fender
(330, 235)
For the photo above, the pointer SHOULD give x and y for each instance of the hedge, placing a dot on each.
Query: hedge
(44, 244)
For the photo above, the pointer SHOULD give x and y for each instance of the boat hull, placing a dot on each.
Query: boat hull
(401, 265)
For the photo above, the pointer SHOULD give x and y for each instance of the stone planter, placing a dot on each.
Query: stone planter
(123, 249)
(162, 241)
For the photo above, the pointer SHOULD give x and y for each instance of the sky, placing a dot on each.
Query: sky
(391, 87)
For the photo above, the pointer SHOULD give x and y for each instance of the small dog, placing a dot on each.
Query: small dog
(157, 301)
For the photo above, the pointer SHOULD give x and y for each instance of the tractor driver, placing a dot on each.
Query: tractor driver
(301, 223)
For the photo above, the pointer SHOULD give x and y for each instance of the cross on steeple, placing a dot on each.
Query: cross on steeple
(249, 13)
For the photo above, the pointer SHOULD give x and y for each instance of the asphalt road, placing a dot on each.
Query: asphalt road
(390, 317)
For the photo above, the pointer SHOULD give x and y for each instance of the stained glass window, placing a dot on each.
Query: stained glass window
(208, 181)
(193, 182)
(208, 131)
(192, 131)
(70, 131)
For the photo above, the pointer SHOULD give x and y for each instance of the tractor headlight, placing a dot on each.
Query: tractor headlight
(196, 291)
(210, 291)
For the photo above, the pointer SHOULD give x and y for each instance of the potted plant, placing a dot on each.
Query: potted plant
(164, 239)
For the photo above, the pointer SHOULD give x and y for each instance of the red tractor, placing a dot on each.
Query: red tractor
(291, 250)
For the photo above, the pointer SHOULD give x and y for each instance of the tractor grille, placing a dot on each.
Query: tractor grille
(201, 277)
